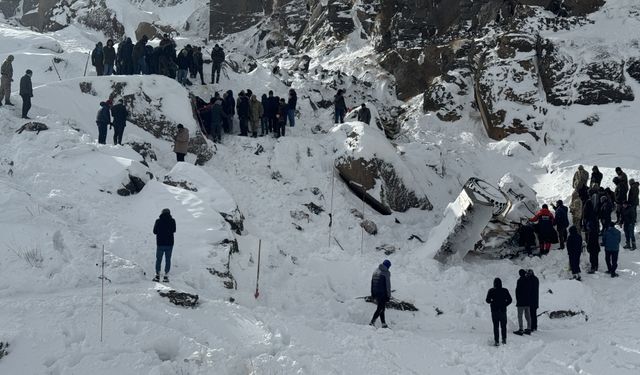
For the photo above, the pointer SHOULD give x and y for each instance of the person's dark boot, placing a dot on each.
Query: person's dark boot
(518, 332)
(527, 332)
(626, 246)
(496, 343)
(157, 278)
(384, 325)
(504, 341)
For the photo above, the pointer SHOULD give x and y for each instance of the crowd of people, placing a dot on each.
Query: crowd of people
(165, 59)
(592, 209)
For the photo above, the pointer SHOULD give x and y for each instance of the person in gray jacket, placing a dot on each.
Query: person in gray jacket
(26, 92)
(6, 77)
(381, 291)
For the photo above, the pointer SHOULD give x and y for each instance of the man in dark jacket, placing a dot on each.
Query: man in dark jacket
(164, 228)
(629, 217)
(499, 298)
(217, 58)
(534, 283)
(364, 114)
(339, 107)
(622, 189)
(244, 111)
(592, 227)
(282, 119)
(596, 177)
(97, 59)
(229, 107)
(381, 291)
(523, 302)
(273, 103)
(611, 238)
(574, 250)
(109, 59)
(198, 63)
(291, 107)
(137, 55)
(119, 113)
(217, 118)
(103, 119)
(562, 222)
(633, 193)
(183, 66)
(26, 92)
(125, 58)
(604, 211)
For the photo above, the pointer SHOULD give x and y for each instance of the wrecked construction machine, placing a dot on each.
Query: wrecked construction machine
(483, 219)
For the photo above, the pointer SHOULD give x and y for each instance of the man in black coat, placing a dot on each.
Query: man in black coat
(499, 298)
(523, 302)
(138, 56)
(534, 284)
(26, 92)
(381, 291)
(109, 57)
(562, 222)
(164, 228)
(596, 177)
(97, 59)
(628, 221)
(119, 113)
(217, 58)
(364, 114)
(243, 113)
(574, 250)
(103, 119)
(592, 227)
(229, 108)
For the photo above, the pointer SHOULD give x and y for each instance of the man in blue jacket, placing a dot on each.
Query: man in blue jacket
(381, 291)
(611, 239)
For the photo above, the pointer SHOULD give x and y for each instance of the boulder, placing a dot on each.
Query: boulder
(633, 68)
(369, 226)
(446, 95)
(372, 168)
(148, 29)
(180, 298)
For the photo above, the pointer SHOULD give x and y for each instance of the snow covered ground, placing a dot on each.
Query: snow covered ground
(58, 200)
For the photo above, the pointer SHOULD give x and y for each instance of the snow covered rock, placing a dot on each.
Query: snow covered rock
(372, 167)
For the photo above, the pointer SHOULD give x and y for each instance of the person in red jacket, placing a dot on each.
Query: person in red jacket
(546, 232)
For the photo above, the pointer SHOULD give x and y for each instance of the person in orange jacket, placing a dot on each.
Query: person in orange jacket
(546, 232)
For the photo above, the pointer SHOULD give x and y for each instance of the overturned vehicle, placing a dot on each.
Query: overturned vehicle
(485, 219)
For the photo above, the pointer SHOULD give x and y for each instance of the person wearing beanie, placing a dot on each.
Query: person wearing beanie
(26, 93)
(164, 228)
(499, 298)
(6, 77)
(562, 222)
(381, 291)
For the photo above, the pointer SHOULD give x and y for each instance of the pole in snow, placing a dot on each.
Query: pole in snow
(102, 297)
(86, 64)
(333, 176)
(56, 68)
(257, 294)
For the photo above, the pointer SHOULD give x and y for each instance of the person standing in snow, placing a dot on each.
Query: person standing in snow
(264, 120)
(574, 250)
(119, 113)
(217, 118)
(633, 193)
(6, 77)
(499, 298)
(591, 228)
(576, 211)
(364, 114)
(244, 113)
(183, 66)
(138, 56)
(97, 59)
(164, 228)
(562, 222)
(381, 291)
(628, 222)
(523, 302)
(596, 177)
(26, 93)
(109, 59)
(534, 284)
(611, 238)
(217, 59)
(103, 119)
(622, 188)
(580, 178)
(291, 107)
(339, 107)
(229, 107)
(124, 56)
(604, 211)
(198, 63)
(282, 118)
(256, 116)
(181, 144)
(545, 221)
(272, 111)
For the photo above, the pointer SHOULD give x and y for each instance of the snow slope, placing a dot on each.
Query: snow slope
(308, 318)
